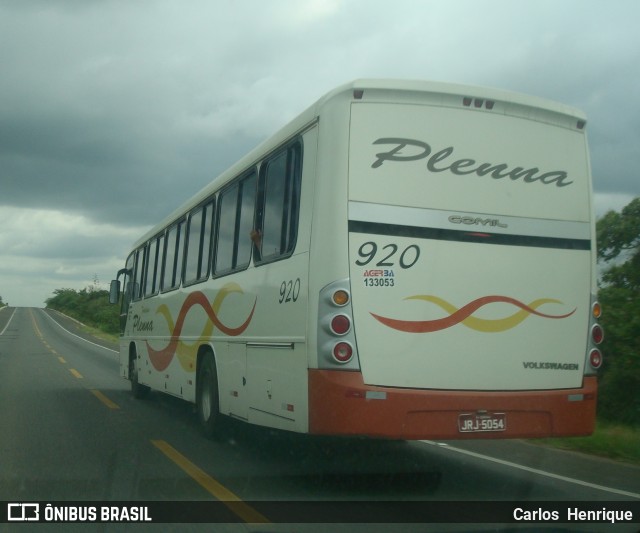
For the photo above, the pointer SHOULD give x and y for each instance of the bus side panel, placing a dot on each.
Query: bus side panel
(277, 349)
(276, 384)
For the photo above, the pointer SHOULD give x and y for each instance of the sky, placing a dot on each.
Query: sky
(113, 113)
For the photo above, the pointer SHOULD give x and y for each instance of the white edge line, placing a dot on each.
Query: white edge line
(9, 322)
(74, 335)
(534, 470)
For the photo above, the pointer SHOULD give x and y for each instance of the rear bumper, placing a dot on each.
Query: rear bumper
(341, 404)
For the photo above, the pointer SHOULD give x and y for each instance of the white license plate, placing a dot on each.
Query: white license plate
(482, 422)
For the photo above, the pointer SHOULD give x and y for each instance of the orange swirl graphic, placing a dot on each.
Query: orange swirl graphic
(464, 315)
(160, 359)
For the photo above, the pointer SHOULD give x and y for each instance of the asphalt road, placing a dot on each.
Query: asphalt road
(71, 431)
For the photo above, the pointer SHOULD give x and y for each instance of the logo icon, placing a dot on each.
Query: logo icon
(23, 512)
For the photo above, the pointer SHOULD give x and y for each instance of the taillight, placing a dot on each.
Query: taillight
(595, 358)
(340, 324)
(342, 352)
(340, 298)
(337, 345)
(596, 310)
(596, 336)
(597, 333)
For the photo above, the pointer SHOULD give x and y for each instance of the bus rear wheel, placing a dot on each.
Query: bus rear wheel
(208, 405)
(139, 391)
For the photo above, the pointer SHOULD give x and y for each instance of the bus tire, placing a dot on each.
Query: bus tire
(138, 390)
(208, 403)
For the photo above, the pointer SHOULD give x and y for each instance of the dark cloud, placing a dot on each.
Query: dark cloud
(120, 111)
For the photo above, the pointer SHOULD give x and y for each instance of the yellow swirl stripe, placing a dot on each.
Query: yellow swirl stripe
(187, 351)
(488, 325)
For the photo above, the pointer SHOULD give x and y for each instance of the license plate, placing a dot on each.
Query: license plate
(482, 422)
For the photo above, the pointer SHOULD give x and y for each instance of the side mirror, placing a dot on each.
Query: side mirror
(114, 291)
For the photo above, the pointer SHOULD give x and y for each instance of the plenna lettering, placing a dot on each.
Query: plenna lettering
(140, 325)
(442, 161)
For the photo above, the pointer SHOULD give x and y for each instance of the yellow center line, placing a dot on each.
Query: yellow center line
(33, 319)
(104, 399)
(35, 326)
(213, 487)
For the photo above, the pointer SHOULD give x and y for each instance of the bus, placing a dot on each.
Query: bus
(403, 260)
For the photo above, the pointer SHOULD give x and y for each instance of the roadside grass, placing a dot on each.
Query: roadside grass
(614, 441)
(99, 334)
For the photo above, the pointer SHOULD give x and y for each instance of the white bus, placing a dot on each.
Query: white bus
(407, 260)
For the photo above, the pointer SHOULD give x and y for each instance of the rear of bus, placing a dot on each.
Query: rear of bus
(471, 299)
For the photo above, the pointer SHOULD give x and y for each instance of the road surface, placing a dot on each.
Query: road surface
(71, 431)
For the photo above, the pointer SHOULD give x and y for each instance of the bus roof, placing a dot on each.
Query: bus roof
(371, 90)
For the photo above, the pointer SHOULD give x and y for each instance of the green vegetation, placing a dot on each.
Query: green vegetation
(614, 441)
(90, 306)
(619, 246)
(101, 334)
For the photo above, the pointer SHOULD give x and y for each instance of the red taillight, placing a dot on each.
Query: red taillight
(342, 352)
(595, 358)
(340, 324)
(597, 333)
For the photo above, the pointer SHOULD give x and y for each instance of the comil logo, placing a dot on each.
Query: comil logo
(477, 221)
(23, 512)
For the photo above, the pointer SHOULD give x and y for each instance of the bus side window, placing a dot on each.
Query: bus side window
(172, 265)
(194, 243)
(128, 288)
(279, 204)
(128, 283)
(207, 234)
(246, 207)
(226, 229)
(150, 285)
(137, 274)
(236, 209)
(198, 252)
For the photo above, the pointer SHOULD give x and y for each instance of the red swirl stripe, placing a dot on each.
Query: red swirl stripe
(160, 359)
(428, 326)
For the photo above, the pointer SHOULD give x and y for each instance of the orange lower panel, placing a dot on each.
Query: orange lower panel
(341, 404)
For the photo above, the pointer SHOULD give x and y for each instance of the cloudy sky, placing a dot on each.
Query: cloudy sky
(112, 113)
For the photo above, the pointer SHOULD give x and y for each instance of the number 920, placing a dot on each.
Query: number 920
(289, 291)
(387, 257)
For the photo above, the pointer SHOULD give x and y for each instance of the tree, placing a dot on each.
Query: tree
(90, 306)
(618, 237)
